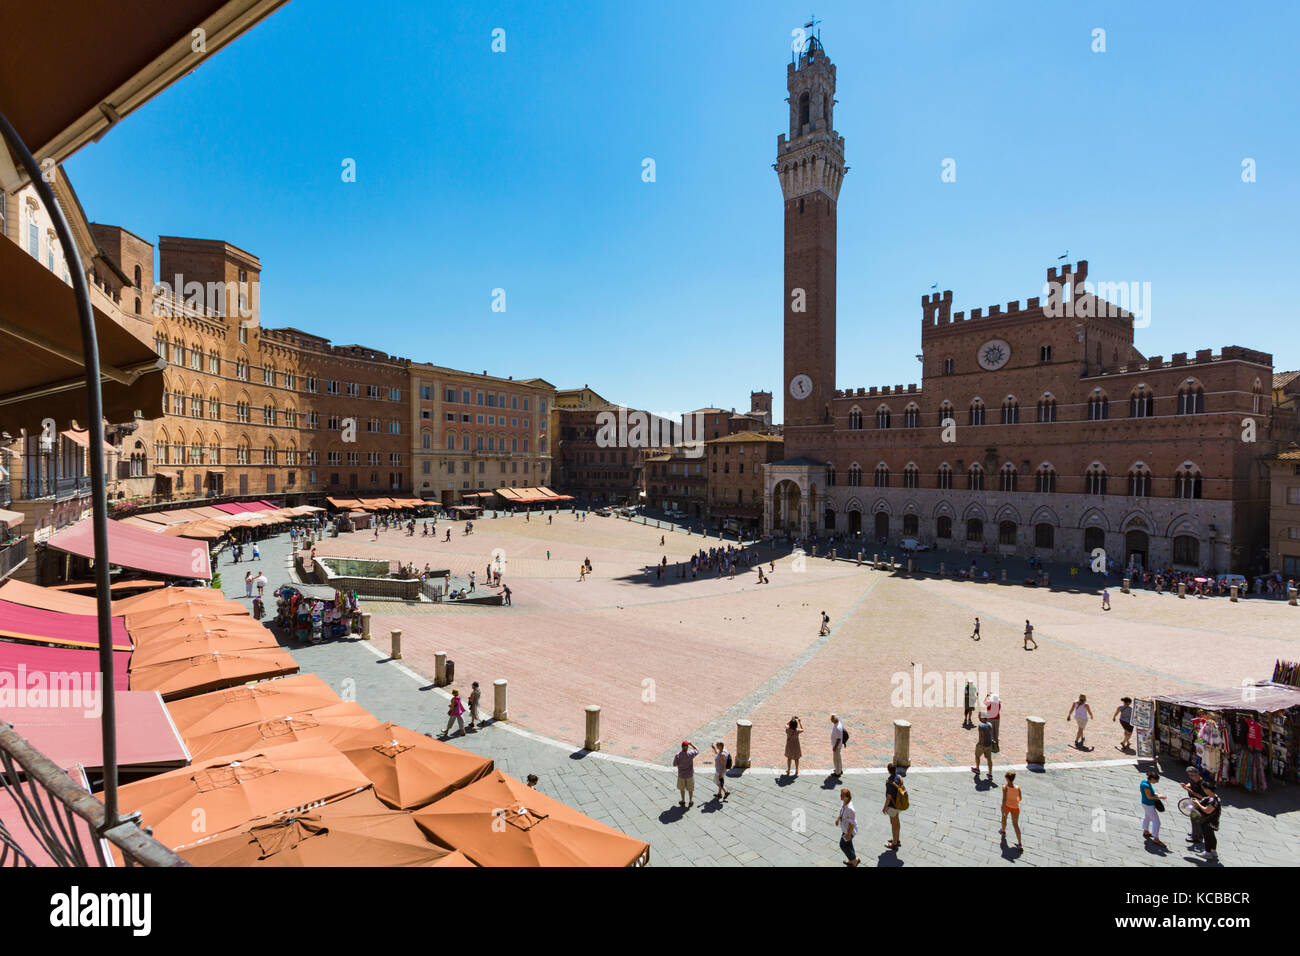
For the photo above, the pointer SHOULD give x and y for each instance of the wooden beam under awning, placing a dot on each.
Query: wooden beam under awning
(40, 339)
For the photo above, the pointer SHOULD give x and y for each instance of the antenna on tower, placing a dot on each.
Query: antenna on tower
(812, 24)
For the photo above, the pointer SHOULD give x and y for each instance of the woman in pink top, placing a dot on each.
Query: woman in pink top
(454, 713)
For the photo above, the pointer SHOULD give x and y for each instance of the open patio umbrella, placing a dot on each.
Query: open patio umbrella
(214, 796)
(332, 723)
(205, 672)
(167, 597)
(408, 769)
(250, 704)
(499, 821)
(184, 612)
(351, 831)
(192, 628)
(210, 641)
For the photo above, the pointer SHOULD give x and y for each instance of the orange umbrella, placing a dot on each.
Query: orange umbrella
(167, 597)
(331, 722)
(204, 672)
(410, 770)
(161, 650)
(351, 831)
(185, 806)
(199, 624)
(498, 821)
(184, 612)
(250, 704)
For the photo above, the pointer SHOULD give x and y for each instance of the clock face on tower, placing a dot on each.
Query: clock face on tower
(800, 387)
(993, 355)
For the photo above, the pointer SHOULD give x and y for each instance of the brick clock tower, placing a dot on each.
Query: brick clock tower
(810, 166)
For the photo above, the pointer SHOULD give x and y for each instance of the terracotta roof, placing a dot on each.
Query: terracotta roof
(1283, 379)
(745, 436)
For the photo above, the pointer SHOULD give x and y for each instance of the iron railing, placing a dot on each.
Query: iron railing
(12, 555)
(50, 804)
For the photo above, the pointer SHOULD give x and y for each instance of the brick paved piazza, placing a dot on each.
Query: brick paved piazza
(687, 658)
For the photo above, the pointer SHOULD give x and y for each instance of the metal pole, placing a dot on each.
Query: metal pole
(95, 437)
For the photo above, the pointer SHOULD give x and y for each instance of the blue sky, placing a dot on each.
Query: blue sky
(522, 171)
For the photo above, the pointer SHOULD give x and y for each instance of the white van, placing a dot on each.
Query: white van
(911, 544)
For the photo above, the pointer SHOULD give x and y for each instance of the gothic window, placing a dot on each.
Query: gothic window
(912, 416)
(803, 111)
(976, 416)
(975, 478)
(1007, 478)
(1045, 479)
(882, 416)
(1098, 408)
(911, 476)
(1142, 403)
(1191, 400)
(1047, 408)
(855, 475)
(1010, 411)
(855, 418)
(1187, 482)
(882, 475)
(1094, 480)
(943, 477)
(1139, 481)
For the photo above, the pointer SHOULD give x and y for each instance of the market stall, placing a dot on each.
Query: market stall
(1247, 736)
(313, 612)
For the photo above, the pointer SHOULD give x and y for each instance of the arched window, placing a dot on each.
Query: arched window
(943, 477)
(1098, 407)
(139, 284)
(946, 413)
(426, 441)
(160, 345)
(830, 474)
(1047, 408)
(214, 451)
(1187, 481)
(1191, 399)
(1094, 480)
(882, 416)
(803, 110)
(1007, 477)
(855, 418)
(1139, 481)
(196, 356)
(1045, 479)
(911, 476)
(1257, 398)
(911, 525)
(1142, 403)
(1006, 532)
(196, 405)
(882, 475)
(1010, 411)
(1044, 535)
(976, 412)
(268, 453)
(855, 475)
(291, 454)
(975, 478)
(268, 413)
(974, 529)
(943, 527)
(912, 416)
(241, 452)
(241, 369)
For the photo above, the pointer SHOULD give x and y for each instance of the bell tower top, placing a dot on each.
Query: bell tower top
(810, 81)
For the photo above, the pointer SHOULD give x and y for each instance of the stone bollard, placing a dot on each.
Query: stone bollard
(910, 565)
(942, 569)
(902, 743)
(440, 669)
(499, 711)
(1004, 574)
(1232, 594)
(592, 742)
(1124, 586)
(875, 560)
(1182, 589)
(833, 554)
(1291, 596)
(1035, 753)
(365, 625)
(859, 559)
(396, 653)
(814, 550)
(744, 729)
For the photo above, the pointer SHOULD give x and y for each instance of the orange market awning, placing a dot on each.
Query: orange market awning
(330, 723)
(213, 671)
(250, 704)
(410, 770)
(20, 592)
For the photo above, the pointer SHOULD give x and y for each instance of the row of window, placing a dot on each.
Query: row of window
(426, 467)
(487, 399)
(1187, 480)
(1191, 401)
(482, 443)
(179, 453)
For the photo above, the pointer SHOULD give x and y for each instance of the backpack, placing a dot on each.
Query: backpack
(728, 760)
(901, 801)
(844, 739)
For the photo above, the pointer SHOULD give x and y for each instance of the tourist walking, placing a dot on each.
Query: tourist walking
(1196, 789)
(261, 583)
(1029, 635)
(993, 714)
(793, 752)
(1011, 805)
(847, 821)
(1152, 805)
(474, 696)
(826, 625)
(1081, 713)
(455, 710)
(257, 552)
(248, 584)
(984, 748)
(1105, 599)
(531, 781)
(896, 801)
(582, 572)
(1124, 714)
(721, 764)
(972, 697)
(684, 761)
(975, 634)
(1210, 807)
(505, 595)
(839, 738)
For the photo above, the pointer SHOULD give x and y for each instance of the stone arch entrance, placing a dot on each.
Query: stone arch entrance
(855, 521)
(1136, 544)
(882, 526)
(786, 498)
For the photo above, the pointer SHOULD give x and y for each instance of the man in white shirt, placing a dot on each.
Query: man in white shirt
(837, 745)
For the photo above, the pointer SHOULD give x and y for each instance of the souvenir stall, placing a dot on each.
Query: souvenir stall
(312, 612)
(1246, 736)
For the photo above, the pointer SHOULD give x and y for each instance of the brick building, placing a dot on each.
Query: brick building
(473, 433)
(677, 479)
(1029, 433)
(1284, 513)
(735, 475)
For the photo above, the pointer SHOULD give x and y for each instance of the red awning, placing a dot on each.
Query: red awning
(66, 735)
(35, 658)
(141, 550)
(18, 622)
